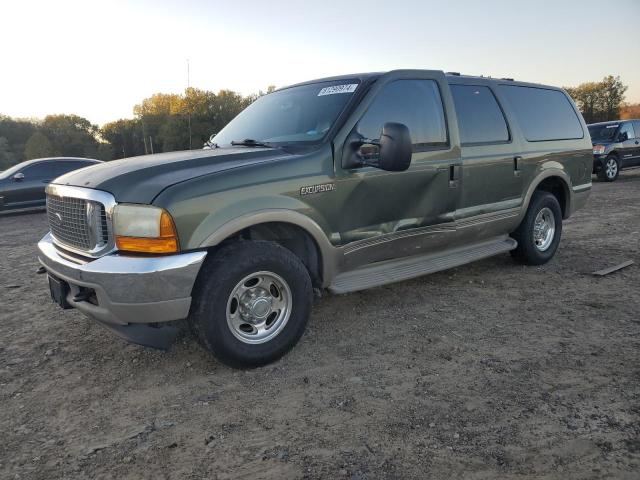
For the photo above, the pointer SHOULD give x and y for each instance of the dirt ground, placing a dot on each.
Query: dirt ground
(491, 370)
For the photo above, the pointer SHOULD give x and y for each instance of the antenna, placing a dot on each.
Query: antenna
(189, 105)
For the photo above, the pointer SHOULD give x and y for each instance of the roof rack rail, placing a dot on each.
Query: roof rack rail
(508, 79)
(456, 74)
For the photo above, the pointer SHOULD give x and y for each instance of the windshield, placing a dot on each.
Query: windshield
(604, 132)
(301, 114)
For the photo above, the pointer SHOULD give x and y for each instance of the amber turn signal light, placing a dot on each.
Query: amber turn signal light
(166, 242)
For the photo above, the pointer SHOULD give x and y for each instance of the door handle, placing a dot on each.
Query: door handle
(454, 175)
(517, 163)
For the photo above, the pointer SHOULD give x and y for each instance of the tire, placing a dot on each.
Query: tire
(238, 292)
(610, 170)
(535, 245)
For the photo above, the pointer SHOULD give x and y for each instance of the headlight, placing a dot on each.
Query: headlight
(143, 228)
(598, 149)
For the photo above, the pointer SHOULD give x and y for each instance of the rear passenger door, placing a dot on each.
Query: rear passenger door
(491, 180)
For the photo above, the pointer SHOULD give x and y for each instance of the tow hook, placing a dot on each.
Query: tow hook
(83, 295)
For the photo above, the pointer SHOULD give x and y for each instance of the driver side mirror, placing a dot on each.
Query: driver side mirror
(391, 152)
(18, 177)
(623, 136)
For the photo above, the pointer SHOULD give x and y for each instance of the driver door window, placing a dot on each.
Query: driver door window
(626, 132)
(38, 172)
(414, 103)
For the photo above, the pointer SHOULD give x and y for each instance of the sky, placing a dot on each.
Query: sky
(98, 59)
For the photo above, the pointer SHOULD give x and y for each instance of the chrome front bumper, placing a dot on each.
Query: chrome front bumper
(128, 289)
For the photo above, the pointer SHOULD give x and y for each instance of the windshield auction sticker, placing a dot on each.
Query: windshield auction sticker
(350, 88)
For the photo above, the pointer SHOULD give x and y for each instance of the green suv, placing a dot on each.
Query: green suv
(342, 184)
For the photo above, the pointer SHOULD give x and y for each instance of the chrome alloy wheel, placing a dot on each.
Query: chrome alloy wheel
(611, 168)
(544, 229)
(259, 307)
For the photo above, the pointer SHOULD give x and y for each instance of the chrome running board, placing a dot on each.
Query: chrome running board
(396, 270)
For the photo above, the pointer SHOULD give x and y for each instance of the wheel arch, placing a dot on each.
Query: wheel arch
(556, 182)
(295, 231)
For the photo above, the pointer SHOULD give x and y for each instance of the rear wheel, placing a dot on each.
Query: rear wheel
(610, 169)
(539, 233)
(251, 303)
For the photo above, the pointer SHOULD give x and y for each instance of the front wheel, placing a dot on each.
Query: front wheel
(251, 303)
(610, 169)
(539, 233)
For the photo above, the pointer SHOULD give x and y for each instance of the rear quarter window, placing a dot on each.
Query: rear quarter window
(543, 114)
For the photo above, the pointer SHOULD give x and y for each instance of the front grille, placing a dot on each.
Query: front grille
(104, 230)
(70, 220)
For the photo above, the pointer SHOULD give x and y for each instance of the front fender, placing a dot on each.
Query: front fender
(224, 223)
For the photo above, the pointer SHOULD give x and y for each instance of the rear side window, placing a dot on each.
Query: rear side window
(543, 114)
(415, 103)
(480, 118)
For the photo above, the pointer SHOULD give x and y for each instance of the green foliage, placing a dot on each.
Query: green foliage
(39, 146)
(71, 135)
(163, 122)
(125, 136)
(599, 101)
(7, 157)
(16, 133)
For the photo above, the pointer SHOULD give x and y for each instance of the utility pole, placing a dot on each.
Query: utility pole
(144, 136)
(189, 105)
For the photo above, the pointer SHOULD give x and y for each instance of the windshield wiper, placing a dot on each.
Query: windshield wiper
(250, 142)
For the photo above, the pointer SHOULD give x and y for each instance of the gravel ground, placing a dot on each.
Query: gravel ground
(491, 370)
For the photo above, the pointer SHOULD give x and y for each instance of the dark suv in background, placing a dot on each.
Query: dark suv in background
(616, 145)
(22, 186)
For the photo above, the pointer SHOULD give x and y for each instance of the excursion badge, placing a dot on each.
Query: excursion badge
(323, 187)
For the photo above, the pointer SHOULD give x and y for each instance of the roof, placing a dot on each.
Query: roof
(451, 76)
(610, 122)
(360, 76)
(36, 160)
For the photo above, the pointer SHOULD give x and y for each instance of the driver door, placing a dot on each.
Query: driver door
(629, 150)
(28, 191)
(392, 214)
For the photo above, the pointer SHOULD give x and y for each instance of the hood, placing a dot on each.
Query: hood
(141, 179)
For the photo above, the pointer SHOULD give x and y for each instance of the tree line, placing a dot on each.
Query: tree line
(162, 123)
(166, 122)
(599, 101)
